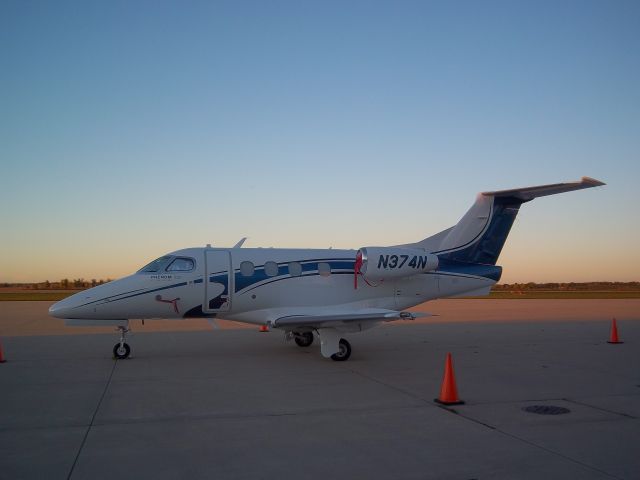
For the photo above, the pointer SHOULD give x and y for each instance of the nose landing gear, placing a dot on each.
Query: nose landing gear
(121, 350)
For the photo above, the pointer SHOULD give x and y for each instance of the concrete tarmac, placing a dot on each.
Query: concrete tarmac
(236, 403)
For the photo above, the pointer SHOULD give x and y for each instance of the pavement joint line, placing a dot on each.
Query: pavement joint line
(466, 417)
(606, 410)
(429, 401)
(93, 417)
(50, 384)
(392, 387)
(558, 454)
(528, 442)
(496, 429)
(507, 402)
(614, 395)
(233, 416)
(42, 427)
(186, 378)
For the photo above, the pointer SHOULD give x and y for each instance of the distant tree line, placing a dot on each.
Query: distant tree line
(64, 284)
(81, 283)
(570, 287)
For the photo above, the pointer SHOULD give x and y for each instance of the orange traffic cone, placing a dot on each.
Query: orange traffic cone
(614, 333)
(2, 359)
(448, 390)
(264, 328)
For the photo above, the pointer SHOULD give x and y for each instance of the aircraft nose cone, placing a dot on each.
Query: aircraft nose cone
(62, 309)
(58, 309)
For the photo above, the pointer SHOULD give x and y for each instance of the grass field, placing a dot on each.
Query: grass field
(559, 295)
(44, 295)
(52, 296)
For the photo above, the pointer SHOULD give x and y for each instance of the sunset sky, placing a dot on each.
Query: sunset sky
(130, 129)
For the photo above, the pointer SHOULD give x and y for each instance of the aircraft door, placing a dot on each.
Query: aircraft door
(217, 291)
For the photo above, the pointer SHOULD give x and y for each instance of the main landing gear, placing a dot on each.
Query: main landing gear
(344, 353)
(305, 339)
(121, 350)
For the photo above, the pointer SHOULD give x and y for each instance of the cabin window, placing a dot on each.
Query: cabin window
(181, 265)
(271, 269)
(156, 265)
(295, 269)
(247, 269)
(324, 269)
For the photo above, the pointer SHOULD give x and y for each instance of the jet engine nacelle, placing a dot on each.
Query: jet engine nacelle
(380, 263)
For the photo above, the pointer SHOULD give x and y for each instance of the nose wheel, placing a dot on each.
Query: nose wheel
(121, 350)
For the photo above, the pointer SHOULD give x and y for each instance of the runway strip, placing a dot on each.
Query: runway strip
(31, 318)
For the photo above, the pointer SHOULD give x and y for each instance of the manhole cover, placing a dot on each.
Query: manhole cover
(546, 409)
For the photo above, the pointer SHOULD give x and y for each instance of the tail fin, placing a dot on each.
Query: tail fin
(480, 235)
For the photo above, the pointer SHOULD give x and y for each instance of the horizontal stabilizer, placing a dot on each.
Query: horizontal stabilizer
(529, 193)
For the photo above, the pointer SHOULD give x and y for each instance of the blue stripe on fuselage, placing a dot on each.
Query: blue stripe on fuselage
(309, 267)
(492, 272)
(342, 266)
(111, 299)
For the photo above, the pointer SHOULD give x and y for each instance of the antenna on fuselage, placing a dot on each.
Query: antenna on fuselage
(240, 243)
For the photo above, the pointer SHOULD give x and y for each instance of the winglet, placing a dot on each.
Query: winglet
(529, 193)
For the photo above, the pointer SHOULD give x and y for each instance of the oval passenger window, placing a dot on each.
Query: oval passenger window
(324, 269)
(271, 269)
(295, 269)
(247, 269)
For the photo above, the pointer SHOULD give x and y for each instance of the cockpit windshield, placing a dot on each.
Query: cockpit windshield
(181, 264)
(169, 263)
(157, 265)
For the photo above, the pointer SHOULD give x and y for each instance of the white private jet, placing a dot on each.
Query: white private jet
(313, 292)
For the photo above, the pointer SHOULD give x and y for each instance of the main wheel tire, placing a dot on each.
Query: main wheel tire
(344, 353)
(121, 352)
(304, 339)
